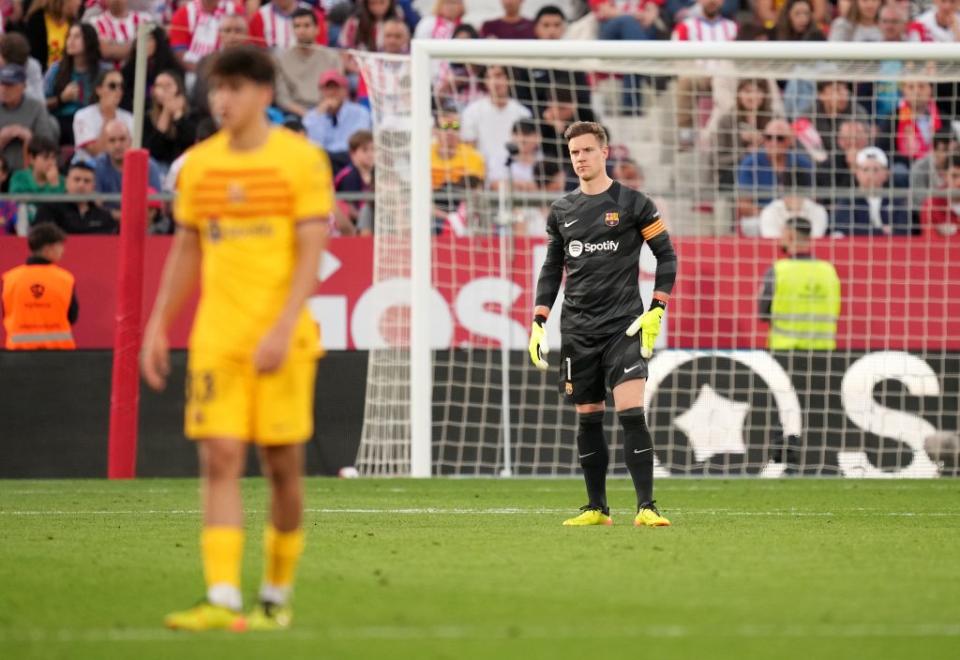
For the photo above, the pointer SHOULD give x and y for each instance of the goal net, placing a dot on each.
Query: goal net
(730, 140)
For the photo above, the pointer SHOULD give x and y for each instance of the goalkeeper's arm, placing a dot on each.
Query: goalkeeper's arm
(648, 324)
(548, 287)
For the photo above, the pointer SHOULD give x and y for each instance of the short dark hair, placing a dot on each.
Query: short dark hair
(800, 224)
(466, 28)
(40, 145)
(954, 161)
(81, 164)
(359, 139)
(823, 84)
(245, 62)
(14, 48)
(549, 10)
(525, 127)
(578, 128)
(303, 12)
(44, 234)
(944, 135)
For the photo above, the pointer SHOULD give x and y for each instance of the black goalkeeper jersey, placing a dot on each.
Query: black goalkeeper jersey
(597, 239)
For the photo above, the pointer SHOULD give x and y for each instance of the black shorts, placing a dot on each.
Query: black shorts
(589, 364)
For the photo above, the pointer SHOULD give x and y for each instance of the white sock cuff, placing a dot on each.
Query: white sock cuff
(271, 593)
(225, 595)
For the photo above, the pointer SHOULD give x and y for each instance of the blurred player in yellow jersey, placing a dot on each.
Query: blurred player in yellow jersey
(251, 208)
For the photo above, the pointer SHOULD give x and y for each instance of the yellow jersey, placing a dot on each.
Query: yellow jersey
(245, 206)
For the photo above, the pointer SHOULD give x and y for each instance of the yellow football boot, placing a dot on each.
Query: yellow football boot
(648, 516)
(267, 617)
(590, 515)
(205, 616)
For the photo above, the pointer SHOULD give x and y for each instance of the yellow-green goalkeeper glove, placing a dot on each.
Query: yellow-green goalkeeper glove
(648, 325)
(538, 343)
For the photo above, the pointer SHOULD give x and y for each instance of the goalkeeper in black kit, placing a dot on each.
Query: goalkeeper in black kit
(596, 233)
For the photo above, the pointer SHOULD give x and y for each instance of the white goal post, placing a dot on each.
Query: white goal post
(588, 56)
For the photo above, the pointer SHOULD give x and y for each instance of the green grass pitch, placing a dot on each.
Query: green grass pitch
(483, 569)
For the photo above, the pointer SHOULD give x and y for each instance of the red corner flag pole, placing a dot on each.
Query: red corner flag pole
(125, 390)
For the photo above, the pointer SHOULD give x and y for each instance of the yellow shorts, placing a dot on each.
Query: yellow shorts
(228, 399)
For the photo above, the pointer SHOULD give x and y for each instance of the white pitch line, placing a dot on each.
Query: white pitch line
(465, 632)
(506, 511)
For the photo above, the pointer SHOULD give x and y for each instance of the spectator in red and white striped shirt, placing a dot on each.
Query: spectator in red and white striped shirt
(709, 25)
(117, 28)
(272, 25)
(939, 23)
(194, 29)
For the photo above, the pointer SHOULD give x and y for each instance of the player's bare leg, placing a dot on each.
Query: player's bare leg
(594, 458)
(638, 450)
(222, 463)
(283, 537)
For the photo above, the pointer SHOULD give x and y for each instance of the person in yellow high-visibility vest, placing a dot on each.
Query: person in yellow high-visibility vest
(801, 295)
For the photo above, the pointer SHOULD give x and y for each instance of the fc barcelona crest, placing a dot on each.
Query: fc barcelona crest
(569, 388)
(612, 219)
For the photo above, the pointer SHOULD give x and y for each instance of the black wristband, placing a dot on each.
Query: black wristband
(540, 318)
(656, 302)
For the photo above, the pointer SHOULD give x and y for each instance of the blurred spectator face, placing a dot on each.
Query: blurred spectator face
(233, 31)
(835, 97)
(587, 156)
(711, 8)
(80, 181)
(800, 15)
(334, 94)
(941, 150)
(74, 45)
(449, 9)
(496, 82)
(868, 8)
(917, 94)
(945, 10)
(396, 37)
(556, 183)
(511, 7)
(378, 8)
(871, 175)
(71, 8)
(528, 144)
(448, 131)
(164, 88)
(117, 7)
(43, 162)
(559, 111)
(750, 96)
(364, 156)
(627, 173)
(853, 135)
(11, 94)
(777, 137)
(110, 91)
(550, 26)
(892, 23)
(953, 183)
(118, 139)
(305, 30)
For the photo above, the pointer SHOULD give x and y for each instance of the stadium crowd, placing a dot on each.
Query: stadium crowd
(869, 158)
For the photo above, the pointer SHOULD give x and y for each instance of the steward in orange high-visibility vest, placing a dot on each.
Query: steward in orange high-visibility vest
(39, 298)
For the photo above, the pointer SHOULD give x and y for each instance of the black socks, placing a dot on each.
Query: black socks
(594, 457)
(638, 452)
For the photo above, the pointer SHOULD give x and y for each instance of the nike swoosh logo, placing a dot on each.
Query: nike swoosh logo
(585, 455)
(567, 224)
(640, 451)
(626, 370)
